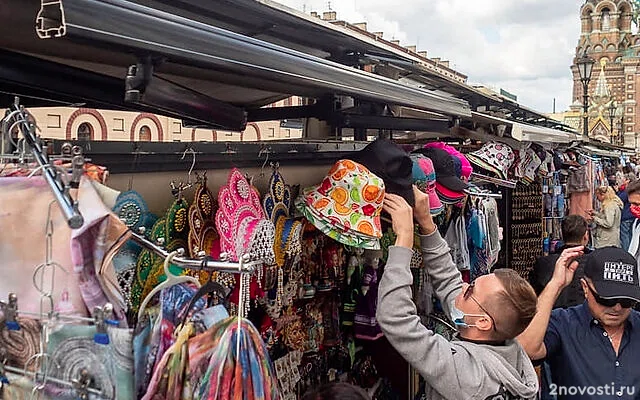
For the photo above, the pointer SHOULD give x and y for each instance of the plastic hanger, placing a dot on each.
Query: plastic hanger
(171, 280)
(210, 288)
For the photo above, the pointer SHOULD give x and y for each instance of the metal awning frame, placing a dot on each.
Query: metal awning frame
(116, 23)
(526, 132)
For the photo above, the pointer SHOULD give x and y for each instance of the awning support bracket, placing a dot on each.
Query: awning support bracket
(50, 21)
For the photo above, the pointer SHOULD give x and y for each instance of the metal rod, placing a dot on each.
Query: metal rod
(68, 206)
(221, 266)
(501, 182)
(484, 194)
(56, 316)
(46, 378)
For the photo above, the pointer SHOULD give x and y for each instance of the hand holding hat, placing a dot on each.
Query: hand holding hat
(421, 211)
(402, 218)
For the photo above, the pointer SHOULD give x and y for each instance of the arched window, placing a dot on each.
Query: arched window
(606, 20)
(145, 134)
(85, 131)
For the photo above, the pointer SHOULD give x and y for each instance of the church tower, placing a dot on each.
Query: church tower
(607, 37)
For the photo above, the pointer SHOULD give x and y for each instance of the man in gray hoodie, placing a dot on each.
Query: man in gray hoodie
(484, 362)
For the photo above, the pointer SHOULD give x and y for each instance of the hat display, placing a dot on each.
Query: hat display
(131, 208)
(614, 273)
(424, 177)
(495, 157)
(448, 182)
(391, 163)
(202, 232)
(288, 231)
(346, 205)
(465, 166)
(241, 222)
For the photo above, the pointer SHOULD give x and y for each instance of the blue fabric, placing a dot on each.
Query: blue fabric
(545, 387)
(626, 231)
(626, 210)
(580, 355)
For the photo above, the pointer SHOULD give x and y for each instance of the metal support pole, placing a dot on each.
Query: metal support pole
(68, 205)
(585, 105)
(613, 141)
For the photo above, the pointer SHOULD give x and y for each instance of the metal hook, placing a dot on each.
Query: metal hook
(266, 151)
(193, 162)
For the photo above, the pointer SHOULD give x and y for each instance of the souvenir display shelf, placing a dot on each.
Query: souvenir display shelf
(555, 209)
(526, 229)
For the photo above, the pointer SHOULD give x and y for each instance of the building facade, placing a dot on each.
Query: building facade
(607, 37)
(91, 124)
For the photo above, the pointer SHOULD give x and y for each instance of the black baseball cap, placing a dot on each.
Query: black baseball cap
(447, 173)
(614, 273)
(391, 163)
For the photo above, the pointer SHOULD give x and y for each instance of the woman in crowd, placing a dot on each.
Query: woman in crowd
(607, 220)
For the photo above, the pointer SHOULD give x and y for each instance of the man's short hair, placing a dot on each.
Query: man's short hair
(573, 228)
(633, 187)
(335, 391)
(517, 304)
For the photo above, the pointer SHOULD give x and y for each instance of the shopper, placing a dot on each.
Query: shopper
(484, 361)
(575, 232)
(633, 193)
(607, 220)
(627, 219)
(593, 348)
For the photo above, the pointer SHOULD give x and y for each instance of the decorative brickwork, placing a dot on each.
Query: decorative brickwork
(139, 118)
(90, 111)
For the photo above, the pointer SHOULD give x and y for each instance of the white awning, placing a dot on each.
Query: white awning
(526, 132)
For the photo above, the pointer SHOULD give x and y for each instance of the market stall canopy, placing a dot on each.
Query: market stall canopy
(594, 150)
(176, 65)
(525, 132)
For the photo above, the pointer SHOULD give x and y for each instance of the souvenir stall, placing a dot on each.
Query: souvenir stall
(220, 270)
(251, 271)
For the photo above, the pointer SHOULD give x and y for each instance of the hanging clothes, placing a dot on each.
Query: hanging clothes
(92, 249)
(456, 238)
(25, 204)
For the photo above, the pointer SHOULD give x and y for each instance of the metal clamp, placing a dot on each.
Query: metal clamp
(10, 310)
(82, 384)
(103, 317)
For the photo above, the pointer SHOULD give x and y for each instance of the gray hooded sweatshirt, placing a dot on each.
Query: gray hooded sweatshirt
(452, 370)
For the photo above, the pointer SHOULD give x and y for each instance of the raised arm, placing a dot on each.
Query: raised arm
(532, 339)
(445, 277)
(430, 354)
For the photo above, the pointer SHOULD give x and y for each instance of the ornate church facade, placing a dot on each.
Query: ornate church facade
(608, 38)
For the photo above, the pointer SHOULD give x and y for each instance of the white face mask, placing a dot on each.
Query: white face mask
(457, 316)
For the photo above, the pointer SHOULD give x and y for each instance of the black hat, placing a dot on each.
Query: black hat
(445, 167)
(388, 161)
(614, 273)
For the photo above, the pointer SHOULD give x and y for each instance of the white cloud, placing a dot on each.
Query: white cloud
(524, 46)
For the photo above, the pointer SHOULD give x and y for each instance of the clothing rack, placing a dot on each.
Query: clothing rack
(245, 265)
(18, 116)
(81, 385)
(496, 181)
(484, 194)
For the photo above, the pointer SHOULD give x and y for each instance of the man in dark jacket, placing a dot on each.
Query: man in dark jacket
(574, 233)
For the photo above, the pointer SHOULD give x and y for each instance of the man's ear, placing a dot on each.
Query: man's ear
(585, 288)
(484, 324)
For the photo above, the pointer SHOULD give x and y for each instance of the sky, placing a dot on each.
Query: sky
(522, 46)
